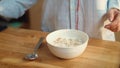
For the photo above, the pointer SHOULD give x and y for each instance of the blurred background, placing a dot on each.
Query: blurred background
(32, 18)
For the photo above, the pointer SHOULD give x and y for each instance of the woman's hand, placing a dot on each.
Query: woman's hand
(114, 17)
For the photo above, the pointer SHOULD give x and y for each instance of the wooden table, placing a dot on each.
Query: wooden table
(16, 43)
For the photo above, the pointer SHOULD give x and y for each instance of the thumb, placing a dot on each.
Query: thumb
(111, 15)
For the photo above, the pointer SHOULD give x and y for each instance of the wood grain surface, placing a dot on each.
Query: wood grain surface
(16, 43)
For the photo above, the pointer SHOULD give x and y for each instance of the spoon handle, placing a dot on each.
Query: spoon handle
(38, 44)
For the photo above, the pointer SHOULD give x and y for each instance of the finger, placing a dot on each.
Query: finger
(111, 26)
(114, 30)
(111, 14)
(118, 28)
(111, 29)
(115, 25)
(107, 26)
(117, 20)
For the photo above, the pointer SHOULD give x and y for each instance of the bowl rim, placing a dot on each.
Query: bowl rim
(63, 30)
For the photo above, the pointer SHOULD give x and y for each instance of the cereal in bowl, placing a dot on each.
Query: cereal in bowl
(67, 42)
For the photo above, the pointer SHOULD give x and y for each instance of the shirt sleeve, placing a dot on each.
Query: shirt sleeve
(113, 4)
(14, 8)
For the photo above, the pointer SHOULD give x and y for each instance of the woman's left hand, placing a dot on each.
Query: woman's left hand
(114, 17)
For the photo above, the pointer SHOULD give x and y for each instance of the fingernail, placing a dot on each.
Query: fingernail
(111, 19)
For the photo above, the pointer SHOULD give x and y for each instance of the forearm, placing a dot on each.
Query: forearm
(14, 8)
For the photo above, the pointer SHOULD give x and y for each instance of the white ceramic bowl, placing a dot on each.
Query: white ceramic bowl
(67, 52)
